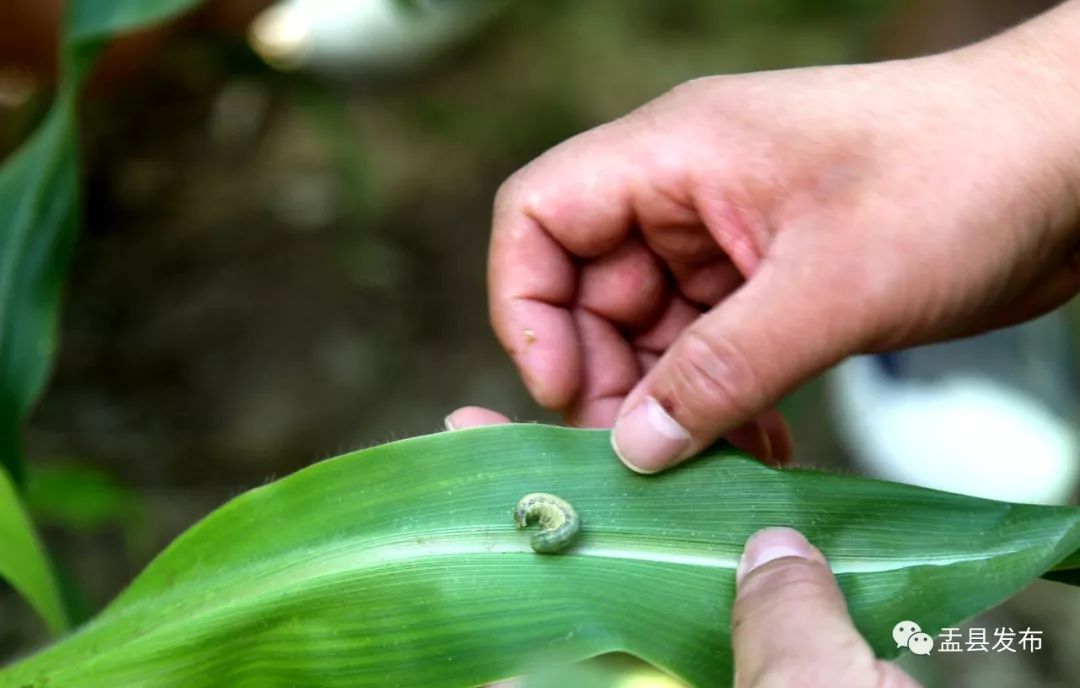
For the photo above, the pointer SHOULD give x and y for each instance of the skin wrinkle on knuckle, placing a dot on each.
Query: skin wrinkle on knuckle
(523, 196)
(709, 375)
(687, 92)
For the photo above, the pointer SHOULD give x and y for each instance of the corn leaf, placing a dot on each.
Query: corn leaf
(22, 560)
(38, 188)
(39, 202)
(38, 192)
(39, 198)
(94, 19)
(400, 565)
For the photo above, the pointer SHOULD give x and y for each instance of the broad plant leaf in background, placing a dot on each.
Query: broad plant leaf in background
(77, 498)
(38, 200)
(38, 191)
(89, 20)
(401, 565)
(39, 208)
(23, 562)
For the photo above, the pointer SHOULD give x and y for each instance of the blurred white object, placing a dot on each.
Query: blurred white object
(356, 37)
(992, 416)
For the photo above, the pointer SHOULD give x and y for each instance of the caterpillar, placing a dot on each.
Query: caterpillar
(559, 523)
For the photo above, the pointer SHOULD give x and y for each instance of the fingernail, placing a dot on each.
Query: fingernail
(771, 544)
(648, 439)
(448, 424)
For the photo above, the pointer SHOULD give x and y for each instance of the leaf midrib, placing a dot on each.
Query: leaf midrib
(325, 564)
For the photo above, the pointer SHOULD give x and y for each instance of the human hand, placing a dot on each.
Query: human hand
(678, 270)
(790, 625)
(784, 588)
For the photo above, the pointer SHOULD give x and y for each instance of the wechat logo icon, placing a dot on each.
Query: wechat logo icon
(909, 634)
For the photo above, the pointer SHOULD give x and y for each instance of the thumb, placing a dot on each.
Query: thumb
(780, 328)
(790, 624)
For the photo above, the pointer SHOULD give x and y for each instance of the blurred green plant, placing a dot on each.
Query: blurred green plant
(23, 562)
(38, 202)
(354, 573)
(39, 211)
(80, 498)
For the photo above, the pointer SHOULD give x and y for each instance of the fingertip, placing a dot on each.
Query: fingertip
(726, 369)
(783, 587)
(543, 342)
(648, 440)
(531, 282)
(770, 544)
(473, 417)
(640, 470)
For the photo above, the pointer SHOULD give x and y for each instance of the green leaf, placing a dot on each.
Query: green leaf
(1068, 571)
(39, 192)
(23, 562)
(38, 201)
(401, 565)
(39, 196)
(93, 19)
(80, 498)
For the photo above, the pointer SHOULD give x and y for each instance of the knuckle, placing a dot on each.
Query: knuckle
(689, 90)
(507, 192)
(711, 375)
